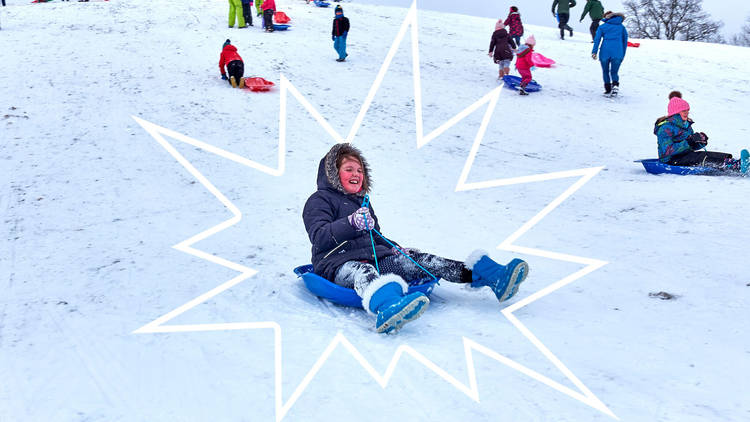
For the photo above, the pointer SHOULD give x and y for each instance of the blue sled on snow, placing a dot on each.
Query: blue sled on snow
(654, 166)
(321, 287)
(513, 82)
(322, 3)
(280, 27)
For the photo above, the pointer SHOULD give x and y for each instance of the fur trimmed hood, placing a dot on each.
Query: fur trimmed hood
(328, 173)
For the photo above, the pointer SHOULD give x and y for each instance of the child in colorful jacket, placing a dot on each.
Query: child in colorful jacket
(514, 24)
(524, 63)
(347, 245)
(679, 145)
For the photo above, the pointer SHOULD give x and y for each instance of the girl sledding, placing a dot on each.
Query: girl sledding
(349, 249)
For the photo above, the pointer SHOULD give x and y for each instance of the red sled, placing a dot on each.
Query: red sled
(634, 44)
(541, 61)
(258, 84)
(281, 17)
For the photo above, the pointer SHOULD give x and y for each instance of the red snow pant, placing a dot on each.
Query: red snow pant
(525, 76)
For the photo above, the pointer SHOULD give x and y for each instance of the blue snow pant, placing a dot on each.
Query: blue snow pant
(358, 275)
(339, 44)
(610, 66)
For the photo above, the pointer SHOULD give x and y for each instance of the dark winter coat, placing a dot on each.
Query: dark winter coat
(672, 135)
(523, 60)
(334, 240)
(563, 6)
(228, 54)
(340, 26)
(613, 37)
(502, 44)
(594, 8)
(513, 21)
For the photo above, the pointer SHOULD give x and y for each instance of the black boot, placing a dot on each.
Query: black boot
(607, 89)
(615, 88)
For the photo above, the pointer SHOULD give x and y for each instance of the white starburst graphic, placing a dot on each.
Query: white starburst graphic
(160, 325)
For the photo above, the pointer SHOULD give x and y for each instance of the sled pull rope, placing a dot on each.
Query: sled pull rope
(366, 203)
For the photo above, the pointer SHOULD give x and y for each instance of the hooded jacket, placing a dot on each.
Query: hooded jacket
(523, 57)
(268, 4)
(501, 44)
(513, 21)
(228, 54)
(334, 240)
(594, 8)
(613, 37)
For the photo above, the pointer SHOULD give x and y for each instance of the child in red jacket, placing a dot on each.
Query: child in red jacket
(524, 63)
(234, 65)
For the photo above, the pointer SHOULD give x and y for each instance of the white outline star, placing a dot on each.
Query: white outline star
(584, 395)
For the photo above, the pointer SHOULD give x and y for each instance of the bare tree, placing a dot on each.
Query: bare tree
(672, 20)
(743, 38)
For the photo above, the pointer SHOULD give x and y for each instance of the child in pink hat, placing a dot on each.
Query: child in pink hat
(679, 145)
(524, 63)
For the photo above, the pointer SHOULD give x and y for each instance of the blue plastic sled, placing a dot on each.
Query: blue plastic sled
(321, 287)
(654, 166)
(513, 82)
(280, 27)
(322, 3)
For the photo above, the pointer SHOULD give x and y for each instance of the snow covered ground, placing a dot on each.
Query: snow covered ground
(92, 205)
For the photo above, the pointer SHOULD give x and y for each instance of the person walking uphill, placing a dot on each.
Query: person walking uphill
(235, 9)
(269, 8)
(347, 247)
(679, 145)
(234, 64)
(339, 32)
(614, 42)
(524, 63)
(502, 46)
(563, 15)
(596, 11)
(514, 24)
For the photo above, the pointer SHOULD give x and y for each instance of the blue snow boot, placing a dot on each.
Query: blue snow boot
(386, 297)
(504, 280)
(744, 161)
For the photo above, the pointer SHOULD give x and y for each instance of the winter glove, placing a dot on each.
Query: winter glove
(408, 251)
(361, 219)
(224, 77)
(705, 137)
(696, 141)
(593, 56)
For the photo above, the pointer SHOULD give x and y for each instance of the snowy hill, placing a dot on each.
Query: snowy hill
(92, 206)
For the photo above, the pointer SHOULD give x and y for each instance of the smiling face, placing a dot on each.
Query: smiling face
(351, 175)
(684, 114)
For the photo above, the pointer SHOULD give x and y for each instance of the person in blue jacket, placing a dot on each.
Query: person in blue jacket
(613, 38)
(339, 217)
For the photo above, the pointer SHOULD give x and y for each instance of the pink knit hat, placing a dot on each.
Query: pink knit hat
(676, 105)
(499, 25)
(530, 40)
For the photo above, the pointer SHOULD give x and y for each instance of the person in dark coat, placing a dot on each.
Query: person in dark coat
(247, 12)
(339, 32)
(596, 11)
(514, 24)
(679, 145)
(614, 42)
(501, 49)
(339, 219)
(234, 65)
(563, 15)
